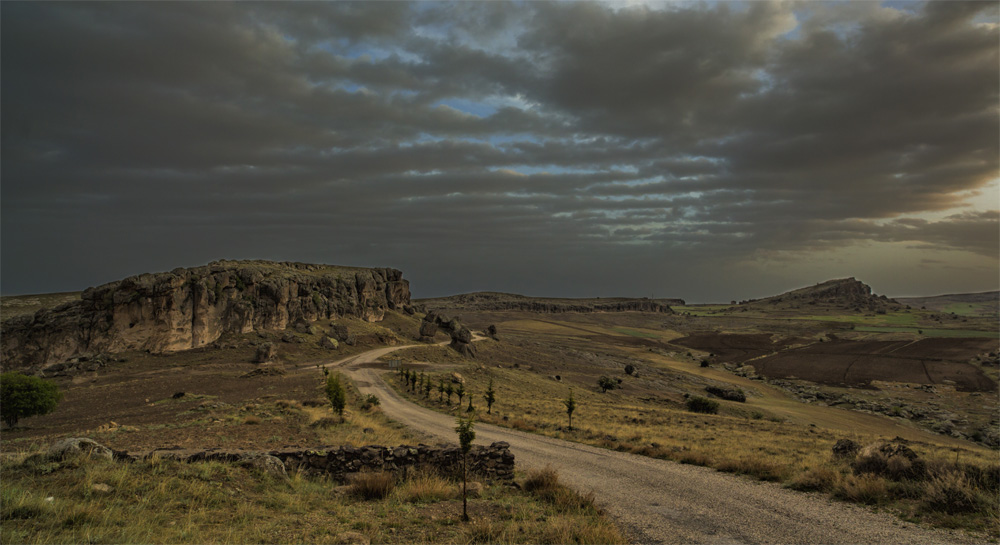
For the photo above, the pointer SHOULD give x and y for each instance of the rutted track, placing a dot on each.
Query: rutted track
(665, 502)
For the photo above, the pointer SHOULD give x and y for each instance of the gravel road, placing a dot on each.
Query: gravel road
(659, 501)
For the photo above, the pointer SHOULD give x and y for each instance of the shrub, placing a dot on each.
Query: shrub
(372, 485)
(336, 394)
(819, 479)
(952, 493)
(699, 404)
(753, 466)
(606, 383)
(425, 486)
(22, 396)
(371, 400)
(542, 481)
(869, 489)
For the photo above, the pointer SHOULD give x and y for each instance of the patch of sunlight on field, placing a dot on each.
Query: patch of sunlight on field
(958, 333)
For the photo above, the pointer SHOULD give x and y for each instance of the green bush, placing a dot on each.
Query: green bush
(336, 394)
(22, 396)
(606, 383)
(702, 405)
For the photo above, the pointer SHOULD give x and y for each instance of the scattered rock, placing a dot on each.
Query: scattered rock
(339, 332)
(889, 459)
(292, 338)
(845, 448)
(305, 328)
(491, 332)
(266, 353)
(78, 445)
(629, 369)
(101, 488)
(457, 378)
(177, 395)
(329, 343)
(473, 489)
(326, 422)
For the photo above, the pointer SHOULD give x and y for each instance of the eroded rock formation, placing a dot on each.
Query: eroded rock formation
(188, 308)
(461, 336)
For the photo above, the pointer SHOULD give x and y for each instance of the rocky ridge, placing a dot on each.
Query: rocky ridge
(492, 301)
(193, 307)
(844, 293)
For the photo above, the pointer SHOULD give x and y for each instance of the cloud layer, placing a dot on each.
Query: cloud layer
(557, 148)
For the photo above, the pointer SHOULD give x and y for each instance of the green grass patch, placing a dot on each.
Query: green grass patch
(634, 333)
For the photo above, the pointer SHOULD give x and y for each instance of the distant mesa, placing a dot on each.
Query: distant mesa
(189, 308)
(494, 301)
(841, 294)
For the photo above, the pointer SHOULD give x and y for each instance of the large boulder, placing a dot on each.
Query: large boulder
(266, 353)
(891, 459)
(74, 446)
(265, 463)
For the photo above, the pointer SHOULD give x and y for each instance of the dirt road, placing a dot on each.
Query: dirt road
(659, 501)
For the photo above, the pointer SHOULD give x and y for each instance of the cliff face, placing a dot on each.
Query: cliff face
(845, 293)
(188, 308)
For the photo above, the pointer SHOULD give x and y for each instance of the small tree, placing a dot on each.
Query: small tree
(336, 394)
(490, 396)
(460, 392)
(427, 388)
(471, 409)
(606, 383)
(448, 391)
(570, 404)
(22, 396)
(413, 381)
(440, 390)
(466, 433)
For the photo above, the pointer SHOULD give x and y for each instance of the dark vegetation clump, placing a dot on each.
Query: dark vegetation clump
(699, 404)
(373, 485)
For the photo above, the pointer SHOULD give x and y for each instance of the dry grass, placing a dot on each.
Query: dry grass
(372, 485)
(170, 502)
(426, 486)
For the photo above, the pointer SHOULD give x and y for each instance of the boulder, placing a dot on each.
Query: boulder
(892, 459)
(329, 343)
(266, 353)
(265, 463)
(457, 378)
(845, 448)
(491, 332)
(78, 445)
(339, 332)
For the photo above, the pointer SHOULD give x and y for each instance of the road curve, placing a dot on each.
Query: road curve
(660, 501)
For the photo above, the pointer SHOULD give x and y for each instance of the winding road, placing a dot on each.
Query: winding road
(659, 501)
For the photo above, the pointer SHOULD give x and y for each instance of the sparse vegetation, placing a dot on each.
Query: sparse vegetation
(606, 383)
(570, 404)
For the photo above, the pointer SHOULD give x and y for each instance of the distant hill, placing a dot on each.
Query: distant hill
(986, 303)
(841, 294)
(492, 301)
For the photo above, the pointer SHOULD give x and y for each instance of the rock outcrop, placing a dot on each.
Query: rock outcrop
(843, 294)
(189, 308)
(461, 336)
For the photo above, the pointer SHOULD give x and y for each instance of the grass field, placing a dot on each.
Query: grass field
(928, 332)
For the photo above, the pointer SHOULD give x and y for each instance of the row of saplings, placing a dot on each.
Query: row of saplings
(465, 427)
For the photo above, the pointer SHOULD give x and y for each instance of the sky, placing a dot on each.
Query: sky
(709, 151)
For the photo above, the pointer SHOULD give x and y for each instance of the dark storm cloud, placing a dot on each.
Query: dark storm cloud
(500, 143)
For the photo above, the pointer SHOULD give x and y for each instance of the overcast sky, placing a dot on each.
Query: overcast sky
(709, 151)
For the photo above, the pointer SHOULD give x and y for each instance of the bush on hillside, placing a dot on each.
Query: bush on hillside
(702, 405)
(22, 396)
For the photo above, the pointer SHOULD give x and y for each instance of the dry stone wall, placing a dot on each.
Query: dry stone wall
(492, 463)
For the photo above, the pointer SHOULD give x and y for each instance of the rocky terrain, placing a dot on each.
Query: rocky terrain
(842, 294)
(190, 308)
(493, 301)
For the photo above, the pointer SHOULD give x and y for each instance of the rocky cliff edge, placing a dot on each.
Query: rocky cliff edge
(189, 308)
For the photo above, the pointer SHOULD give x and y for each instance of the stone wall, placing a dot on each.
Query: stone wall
(492, 463)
